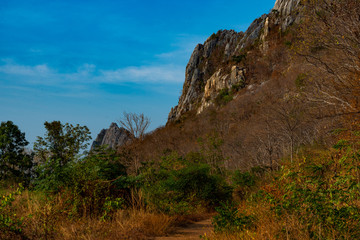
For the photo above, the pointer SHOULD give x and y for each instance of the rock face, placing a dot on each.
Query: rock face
(112, 137)
(203, 65)
(217, 64)
(285, 9)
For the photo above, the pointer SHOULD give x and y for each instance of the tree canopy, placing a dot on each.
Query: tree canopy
(57, 151)
(14, 161)
(62, 142)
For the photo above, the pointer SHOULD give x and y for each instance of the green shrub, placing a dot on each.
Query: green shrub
(323, 192)
(52, 176)
(341, 144)
(300, 81)
(195, 157)
(288, 44)
(223, 97)
(239, 58)
(180, 186)
(236, 87)
(9, 222)
(243, 179)
(229, 219)
(243, 183)
(98, 182)
(110, 206)
(92, 184)
(188, 187)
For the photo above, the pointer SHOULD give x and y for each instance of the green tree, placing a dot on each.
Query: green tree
(62, 142)
(57, 150)
(15, 164)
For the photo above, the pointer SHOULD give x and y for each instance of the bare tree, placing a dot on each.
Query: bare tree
(330, 43)
(268, 139)
(136, 124)
(290, 119)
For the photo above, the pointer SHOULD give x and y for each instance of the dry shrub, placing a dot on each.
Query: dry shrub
(41, 215)
(143, 223)
(133, 224)
(127, 224)
(89, 228)
(49, 219)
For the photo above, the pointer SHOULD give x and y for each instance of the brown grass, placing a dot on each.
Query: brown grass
(135, 222)
(131, 224)
(50, 219)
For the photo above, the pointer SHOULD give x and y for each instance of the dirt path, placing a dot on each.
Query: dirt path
(189, 232)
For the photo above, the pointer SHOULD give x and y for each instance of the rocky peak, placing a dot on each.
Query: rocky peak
(112, 137)
(203, 63)
(216, 64)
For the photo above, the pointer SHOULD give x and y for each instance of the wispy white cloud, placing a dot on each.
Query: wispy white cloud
(147, 74)
(167, 68)
(90, 74)
(14, 69)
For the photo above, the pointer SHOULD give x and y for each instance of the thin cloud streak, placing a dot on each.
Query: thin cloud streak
(14, 69)
(149, 74)
(89, 74)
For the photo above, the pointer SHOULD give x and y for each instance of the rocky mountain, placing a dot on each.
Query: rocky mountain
(255, 96)
(112, 137)
(218, 64)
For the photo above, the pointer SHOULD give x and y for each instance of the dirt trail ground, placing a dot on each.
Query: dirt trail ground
(190, 232)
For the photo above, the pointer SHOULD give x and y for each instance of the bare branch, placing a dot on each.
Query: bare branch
(136, 124)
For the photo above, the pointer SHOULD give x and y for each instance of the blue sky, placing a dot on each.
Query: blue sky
(88, 61)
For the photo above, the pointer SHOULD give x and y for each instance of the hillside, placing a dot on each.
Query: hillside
(265, 91)
(240, 88)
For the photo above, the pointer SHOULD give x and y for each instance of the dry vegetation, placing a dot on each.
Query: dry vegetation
(49, 218)
(292, 135)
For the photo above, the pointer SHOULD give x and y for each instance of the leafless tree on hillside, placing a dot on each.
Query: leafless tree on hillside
(330, 43)
(268, 138)
(136, 124)
(290, 120)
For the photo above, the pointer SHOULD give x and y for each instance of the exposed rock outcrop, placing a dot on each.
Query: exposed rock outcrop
(204, 63)
(217, 64)
(112, 137)
(286, 8)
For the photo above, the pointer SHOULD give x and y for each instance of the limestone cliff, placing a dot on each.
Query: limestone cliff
(112, 137)
(285, 9)
(217, 64)
(204, 65)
